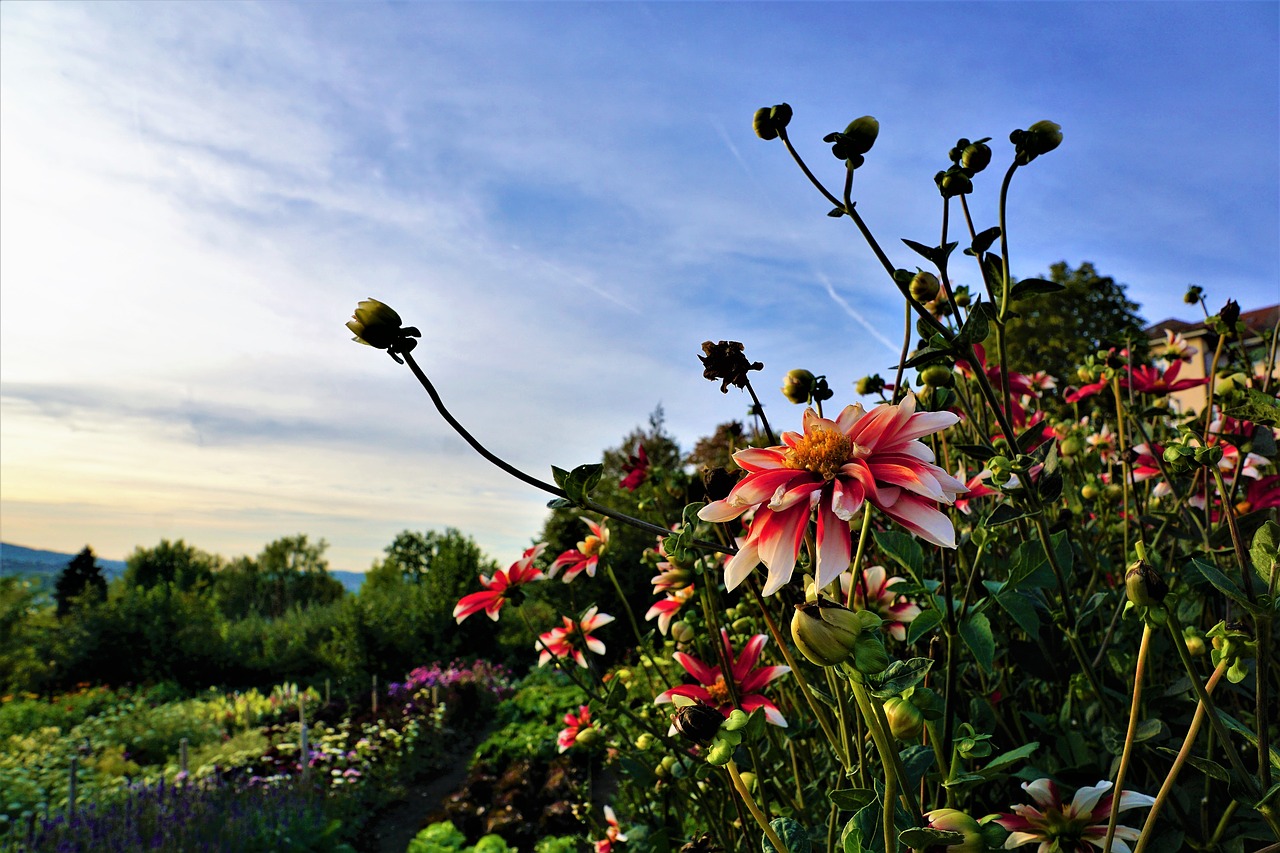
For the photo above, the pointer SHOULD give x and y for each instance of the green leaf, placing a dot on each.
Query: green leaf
(976, 326)
(1028, 286)
(925, 838)
(902, 549)
(791, 832)
(975, 630)
(1264, 552)
(923, 624)
(916, 761)
(975, 451)
(641, 773)
(983, 241)
(1005, 513)
(1049, 487)
(851, 837)
(1257, 407)
(899, 676)
(927, 355)
(927, 252)
(1011, 757)
(852, 799)
(1021, 608)
(1204, 765)
(1224, 584)
(560, 503)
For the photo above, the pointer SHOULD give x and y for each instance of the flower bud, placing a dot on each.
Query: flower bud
(1193, 295)
(1088, 491)
(825, 632)
(1113, 491)
(1194, 641)
(1071, 446)
(861, 134)
(769, 120)
(682, 632)
(924, 286)
(952, 820)
(749, 779)
(1041, 138)
(953, 182)
(644, 741)
(1143, 585)
(1230, 312)
(869, 385)
(975, 157)
(377, 325)
(698, 722)
(961, 296)
(587, 737)
(798, 386)
(742, 625)
(938, 376)
(905, 719)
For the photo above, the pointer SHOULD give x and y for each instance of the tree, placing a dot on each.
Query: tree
(81, 578)
(1057, 330)
(175, 563)
(290, 572)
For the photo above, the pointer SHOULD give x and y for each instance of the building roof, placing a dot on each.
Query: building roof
(1256, 321)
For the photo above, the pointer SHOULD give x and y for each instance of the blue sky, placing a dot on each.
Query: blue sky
(567, 199)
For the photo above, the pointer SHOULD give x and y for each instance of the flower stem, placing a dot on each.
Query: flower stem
(1148, 828)
(1117, 793)
(750, 802)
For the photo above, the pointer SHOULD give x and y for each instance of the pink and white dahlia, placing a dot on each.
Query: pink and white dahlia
(501, 587)
(587, 555)
(575, 724)
(896, 610)
(1075, 827)
(833, 467)
(571, 639)
(713, 687)
(666, 609)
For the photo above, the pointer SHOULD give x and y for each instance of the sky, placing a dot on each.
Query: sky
(567, 199)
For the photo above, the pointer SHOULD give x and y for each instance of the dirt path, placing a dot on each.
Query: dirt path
(393, 829)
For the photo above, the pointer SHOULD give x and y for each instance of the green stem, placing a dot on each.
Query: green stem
(750, 803)
(1117, 793)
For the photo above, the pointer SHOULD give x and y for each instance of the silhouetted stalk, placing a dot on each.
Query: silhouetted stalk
(1117, 792)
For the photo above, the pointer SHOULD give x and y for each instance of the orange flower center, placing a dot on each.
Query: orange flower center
(590, 546)
(719, 692)
(822, 451)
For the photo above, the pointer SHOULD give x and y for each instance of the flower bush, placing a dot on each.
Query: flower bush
(1060, 610)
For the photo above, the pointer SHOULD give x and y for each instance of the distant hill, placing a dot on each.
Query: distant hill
(15, 560)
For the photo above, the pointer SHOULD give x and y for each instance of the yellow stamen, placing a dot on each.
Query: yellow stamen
(589, 546)
(822, 451)
(719, 692)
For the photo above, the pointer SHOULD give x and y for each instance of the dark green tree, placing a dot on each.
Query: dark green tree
(290, 572)
(175, 563)
(81, 578)
(1056, 331)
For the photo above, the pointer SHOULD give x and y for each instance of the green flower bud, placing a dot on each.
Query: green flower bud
(377, 325)
(1193, 295)
(905, 719)
(961, 296)
(1089, 491)
(824, 631)
(952, 820)
(1143, 585)
(924, 286)
(644, 741)
(869, 385)
(1113, 492)
(975, 157)
(742, 625)
(587, 737)
(953, 182)
(1071, 446)
(797, 386)
(682, 632)
(861, 134)
(1041, 138)
(769, 120)
(749, 779)
(938, 376)
(1194, 641)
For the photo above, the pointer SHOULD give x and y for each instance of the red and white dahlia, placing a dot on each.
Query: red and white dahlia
(713, 685)
(575, 724)
(833, 467)
(500, 588)
(587, 555)
(571, 639)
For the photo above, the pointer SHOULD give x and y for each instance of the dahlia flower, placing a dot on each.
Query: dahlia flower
(713, 687)
(587, 555)
(666, 609)
(575, 724)
(612, 834)
(574, 636)
(1075, 827)
(834, 466)
(635, 469)
(501, 587)
(896, 611)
